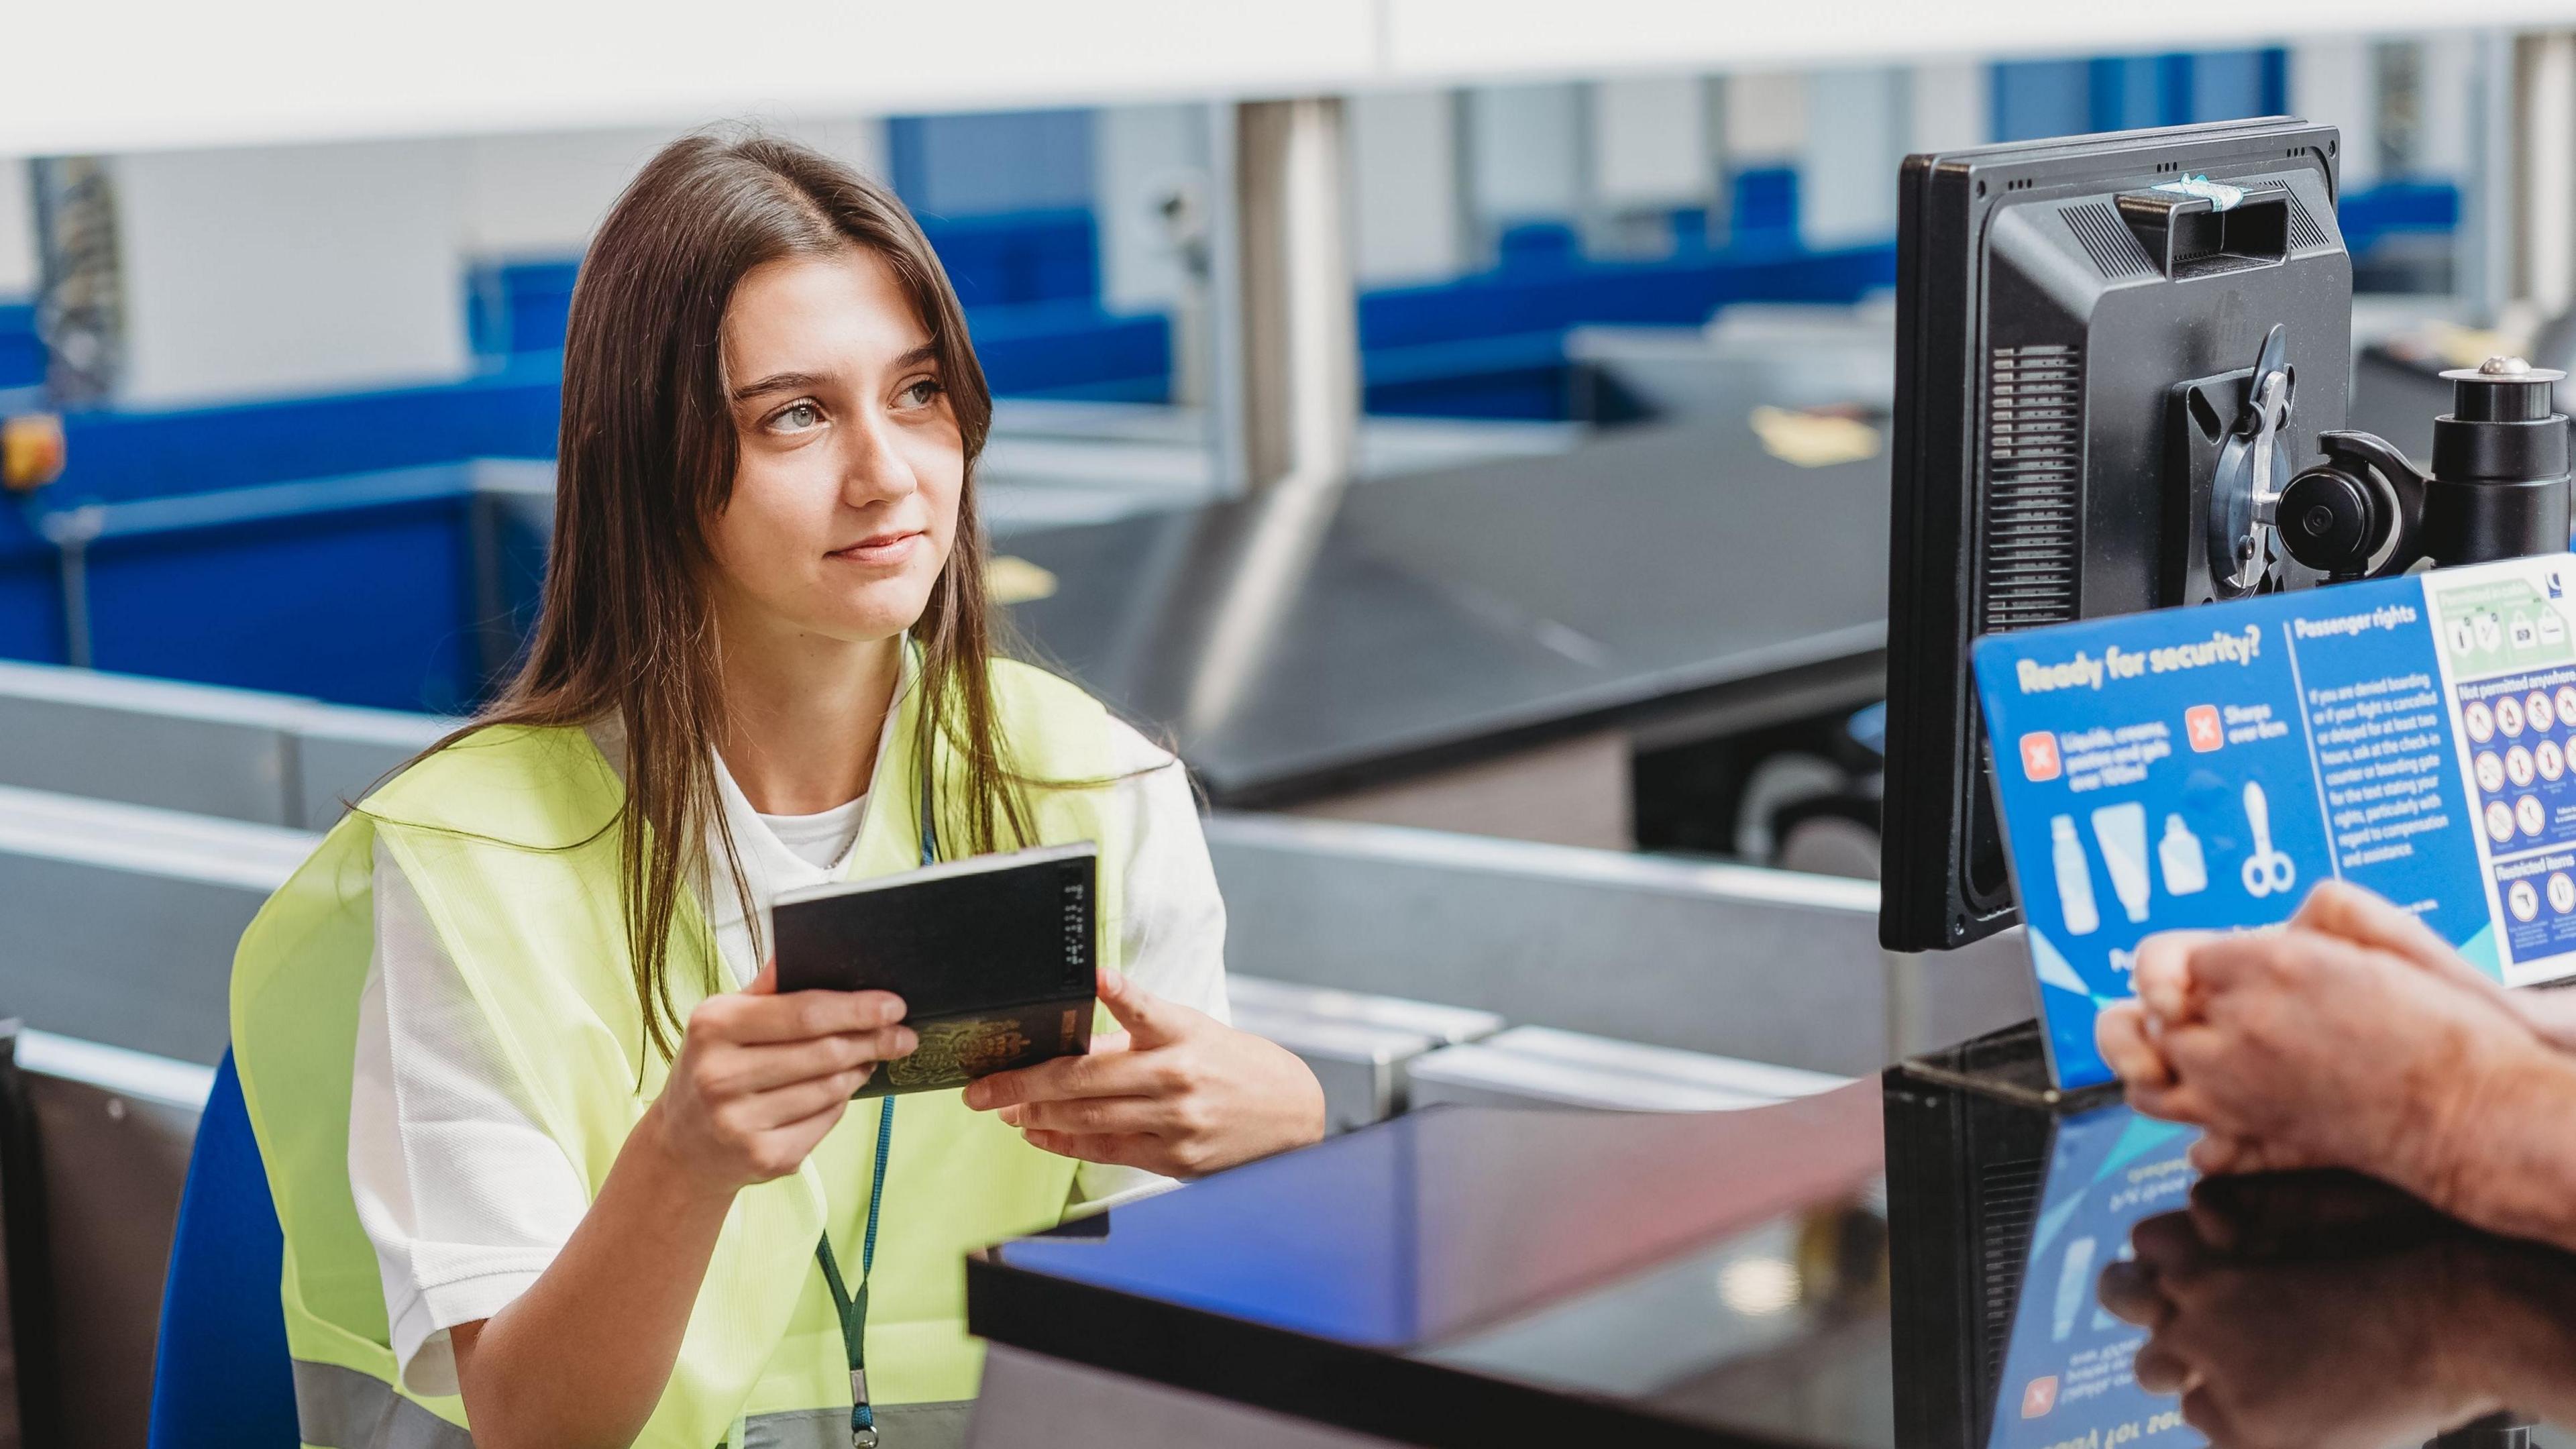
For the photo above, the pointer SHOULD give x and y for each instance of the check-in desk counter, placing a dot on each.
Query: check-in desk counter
(236, 754)
(1541, 1066)
(122, 918)
(1880, 1265)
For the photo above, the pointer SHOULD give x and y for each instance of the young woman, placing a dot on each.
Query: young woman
(553, 1157)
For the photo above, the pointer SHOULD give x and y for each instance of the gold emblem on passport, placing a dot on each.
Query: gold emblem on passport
(951, 1051)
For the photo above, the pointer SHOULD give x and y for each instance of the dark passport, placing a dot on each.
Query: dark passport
(992, 956)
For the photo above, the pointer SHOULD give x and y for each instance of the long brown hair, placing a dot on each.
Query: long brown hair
(648, 453)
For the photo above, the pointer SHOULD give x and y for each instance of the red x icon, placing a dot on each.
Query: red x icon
(2039, 756)
(2039, 1397)
(2201, 723)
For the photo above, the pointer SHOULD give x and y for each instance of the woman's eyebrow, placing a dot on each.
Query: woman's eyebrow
(803, 381)
(777, 382)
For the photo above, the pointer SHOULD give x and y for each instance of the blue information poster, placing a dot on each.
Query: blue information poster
(2204, 768)
(2068, 1380)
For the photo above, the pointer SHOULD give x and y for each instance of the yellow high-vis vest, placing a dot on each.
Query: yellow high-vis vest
(509, 837)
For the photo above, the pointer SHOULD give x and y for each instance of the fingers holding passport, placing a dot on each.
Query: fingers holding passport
(761, 1076)
(1178, 1092)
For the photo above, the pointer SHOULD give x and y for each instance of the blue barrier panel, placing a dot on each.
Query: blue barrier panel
(1063, 348)
(514, 307)
(115, 454)
(1019, 258)
(994, 261)
(1762, 210)
(22, 355)
(991, 163)
(2396, 207)
(1073, 348)
(1523, 376)
(1537, 245)
(358, 590)
(31, 607)
(1492, 345)
(1070, 349)
(2032, 99)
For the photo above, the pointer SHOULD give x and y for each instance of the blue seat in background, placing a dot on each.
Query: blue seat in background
(222, 1378)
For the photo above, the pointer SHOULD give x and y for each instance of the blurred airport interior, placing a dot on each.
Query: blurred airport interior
(1533, 677)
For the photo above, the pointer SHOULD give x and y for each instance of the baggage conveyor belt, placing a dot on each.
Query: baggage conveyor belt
(1296, 645)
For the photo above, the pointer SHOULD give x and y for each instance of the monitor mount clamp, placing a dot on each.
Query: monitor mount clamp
(2498, 487)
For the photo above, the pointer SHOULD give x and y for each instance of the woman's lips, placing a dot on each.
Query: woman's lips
(891, 548)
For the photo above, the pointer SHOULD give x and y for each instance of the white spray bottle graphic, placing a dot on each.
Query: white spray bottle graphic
(2074, 878)
(2186, 865)
(2121, 830)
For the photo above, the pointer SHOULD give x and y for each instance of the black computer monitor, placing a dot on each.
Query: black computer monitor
(2077, 320)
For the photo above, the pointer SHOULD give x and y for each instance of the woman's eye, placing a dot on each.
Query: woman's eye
(921, 393)
(796, 417)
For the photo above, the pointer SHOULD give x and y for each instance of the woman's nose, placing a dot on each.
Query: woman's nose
(874, 468)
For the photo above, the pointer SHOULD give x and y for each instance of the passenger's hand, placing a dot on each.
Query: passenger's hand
(2345, 1039)
(1178, 1092)
(2129, 1033)
(762, 1076)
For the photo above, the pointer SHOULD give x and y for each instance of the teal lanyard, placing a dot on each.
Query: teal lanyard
(853, 1307)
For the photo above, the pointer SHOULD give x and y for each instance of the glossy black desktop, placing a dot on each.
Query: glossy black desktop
(1885, 1265)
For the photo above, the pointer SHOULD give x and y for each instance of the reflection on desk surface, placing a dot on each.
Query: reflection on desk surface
(2018, 1280)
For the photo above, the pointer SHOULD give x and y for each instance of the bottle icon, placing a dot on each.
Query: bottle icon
(2074, 878)
(2074, 1288)
(2186, 866)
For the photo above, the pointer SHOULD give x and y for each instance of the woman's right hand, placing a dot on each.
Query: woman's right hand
(762, 1076)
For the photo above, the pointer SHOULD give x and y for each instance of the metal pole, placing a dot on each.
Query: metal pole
(1223, 382)
(1285, 394)
(1296, 331)
(2487, 235)
(71, 532)
(2545, 173)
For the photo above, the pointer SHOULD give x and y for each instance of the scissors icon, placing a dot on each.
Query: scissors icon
(2267, 871)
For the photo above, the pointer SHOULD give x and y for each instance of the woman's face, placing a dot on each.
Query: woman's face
(844, 505)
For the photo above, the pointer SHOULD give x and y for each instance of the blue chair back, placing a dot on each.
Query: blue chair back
(222, 1379)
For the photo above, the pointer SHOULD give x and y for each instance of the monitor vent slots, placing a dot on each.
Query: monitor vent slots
(2007, 1210)
(2108, 241)
(2034, 459)
(2304, 231)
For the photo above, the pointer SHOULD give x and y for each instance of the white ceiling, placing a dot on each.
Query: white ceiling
(117, 75)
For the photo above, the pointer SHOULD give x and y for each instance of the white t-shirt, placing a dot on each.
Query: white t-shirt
(467, 1200)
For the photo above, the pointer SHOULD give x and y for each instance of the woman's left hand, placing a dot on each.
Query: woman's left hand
(1178, 1092)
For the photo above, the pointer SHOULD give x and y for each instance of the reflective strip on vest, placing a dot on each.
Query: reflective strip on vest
(341, 1408)
(898, 1424)
(798, 1429)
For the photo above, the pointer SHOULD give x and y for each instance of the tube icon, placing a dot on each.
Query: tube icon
(2121, 831)
(2074, 878)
